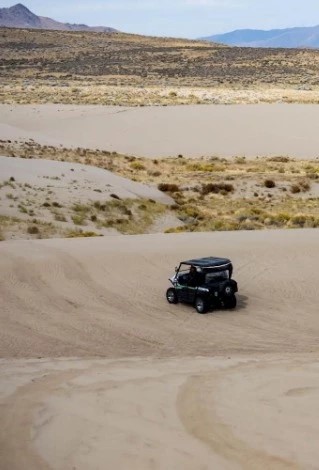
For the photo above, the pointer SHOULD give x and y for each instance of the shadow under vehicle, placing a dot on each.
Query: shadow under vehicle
(205, 283)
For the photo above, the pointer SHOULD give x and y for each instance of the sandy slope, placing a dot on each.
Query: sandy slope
(192, 413)
(106, 297)
(163, 131)
(72, 182)
(250, 403)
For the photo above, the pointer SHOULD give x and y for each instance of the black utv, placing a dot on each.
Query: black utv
(204, 283)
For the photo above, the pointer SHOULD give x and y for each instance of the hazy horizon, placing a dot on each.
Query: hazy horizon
(179, 18)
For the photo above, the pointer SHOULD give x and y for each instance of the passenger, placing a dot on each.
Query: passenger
(195, 277)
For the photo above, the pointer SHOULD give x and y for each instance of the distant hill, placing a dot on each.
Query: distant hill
(291, 38)
(18, 16)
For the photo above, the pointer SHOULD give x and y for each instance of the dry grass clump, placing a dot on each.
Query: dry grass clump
(168, 187)
(217, 188)
(301, 186)
(81, 234)
(33, 230)
(280, 159)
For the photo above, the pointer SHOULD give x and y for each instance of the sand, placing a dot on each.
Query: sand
(222, 130)
(98, 371)
(73, 182)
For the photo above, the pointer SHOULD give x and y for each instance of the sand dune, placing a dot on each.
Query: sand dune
(72, 182)
(98, 371)
(253, 130)
(106, 297)
(225, 390)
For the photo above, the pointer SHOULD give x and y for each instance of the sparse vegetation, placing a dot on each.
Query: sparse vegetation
(209, 193)
(84, 68)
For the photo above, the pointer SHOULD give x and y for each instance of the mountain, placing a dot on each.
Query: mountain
(291, 37)
(18, 16)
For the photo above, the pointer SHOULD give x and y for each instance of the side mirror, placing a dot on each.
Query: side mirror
(176, 269)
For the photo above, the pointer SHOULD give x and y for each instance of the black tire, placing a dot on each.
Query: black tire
(171, 296)
(230, 302)
(201, 305)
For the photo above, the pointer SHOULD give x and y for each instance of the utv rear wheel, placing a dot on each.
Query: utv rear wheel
(171, 296)
(201, 305)
(230, 302)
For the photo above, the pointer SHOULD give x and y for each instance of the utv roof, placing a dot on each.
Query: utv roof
(209, 262)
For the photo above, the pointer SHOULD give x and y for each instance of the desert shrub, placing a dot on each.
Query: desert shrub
(304, 186)
(97, 205)
(179, 229)
(240, 160)
(168, 187)
(269, 184)
(56, 204)
(204, 167)
(313, 176)
(190, 211)
(299, 220)
(216, 188)
(81, 234)
(137, 166)
(59, 217)
(295, 188)
(282, 217)
(79, 219)
(33, 230)
(279, 159)
(22, 209)
(115, 196)
(80, 208)
(46, 204)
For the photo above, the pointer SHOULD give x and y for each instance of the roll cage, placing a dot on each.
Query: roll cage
(209, 265)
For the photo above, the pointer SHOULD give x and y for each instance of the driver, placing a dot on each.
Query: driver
(193, 276)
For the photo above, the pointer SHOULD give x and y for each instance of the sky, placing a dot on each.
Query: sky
(178, 18)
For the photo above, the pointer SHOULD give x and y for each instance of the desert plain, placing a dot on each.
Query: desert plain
(98, 205)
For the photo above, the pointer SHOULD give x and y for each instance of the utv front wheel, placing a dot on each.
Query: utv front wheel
(201, 305)
(230, 302)
(171, 296)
